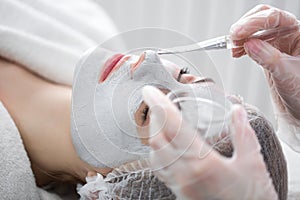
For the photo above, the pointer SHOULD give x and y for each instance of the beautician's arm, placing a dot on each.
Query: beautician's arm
(280, 59)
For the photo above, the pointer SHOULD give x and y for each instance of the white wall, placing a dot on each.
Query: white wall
(201, 20)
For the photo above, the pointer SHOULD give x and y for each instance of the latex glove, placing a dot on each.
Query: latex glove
(281, 60)
(192, 169)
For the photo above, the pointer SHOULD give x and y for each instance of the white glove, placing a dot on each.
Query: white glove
(281, 60)
(192, 169)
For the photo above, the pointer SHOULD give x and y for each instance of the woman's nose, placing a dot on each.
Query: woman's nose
(147, 56)
(152, 57)
(135, 65)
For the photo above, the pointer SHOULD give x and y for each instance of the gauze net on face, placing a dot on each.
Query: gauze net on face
(136, 181)
(130, 181)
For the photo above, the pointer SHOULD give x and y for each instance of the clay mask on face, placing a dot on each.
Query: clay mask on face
(108, 136)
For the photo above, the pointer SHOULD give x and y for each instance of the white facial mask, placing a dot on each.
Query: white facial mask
(103, 126)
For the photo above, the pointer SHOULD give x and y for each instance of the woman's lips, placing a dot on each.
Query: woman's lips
(114, 63)
(109, 66)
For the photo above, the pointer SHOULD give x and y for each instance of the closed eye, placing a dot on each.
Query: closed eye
(184, 76)
(144, 115)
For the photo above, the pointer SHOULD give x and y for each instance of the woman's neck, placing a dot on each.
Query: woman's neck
(41, 111)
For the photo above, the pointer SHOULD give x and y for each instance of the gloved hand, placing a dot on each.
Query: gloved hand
(192, 169)
(281, 60)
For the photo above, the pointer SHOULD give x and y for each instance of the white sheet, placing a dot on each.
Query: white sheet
(49, 37)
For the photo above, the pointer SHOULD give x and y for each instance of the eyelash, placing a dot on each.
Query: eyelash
(184, 70)
(145, 113)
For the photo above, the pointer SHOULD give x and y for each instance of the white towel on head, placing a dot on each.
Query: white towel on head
(48, 37)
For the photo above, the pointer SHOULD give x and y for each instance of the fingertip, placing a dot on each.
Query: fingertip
(252, 46)
(239, 114)
(238, 52)
(243, 136)
(263, 53)
(238, 122)
(153, 142)
(235, 31)
(240, 119)
(234, 53)
(149, 93)
(152, 95)
(254, 49)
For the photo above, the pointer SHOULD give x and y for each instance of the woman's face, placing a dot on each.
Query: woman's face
(109, 118)
(134, 72)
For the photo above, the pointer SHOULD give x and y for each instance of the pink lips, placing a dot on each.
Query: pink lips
(109, 66)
